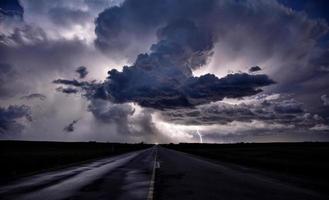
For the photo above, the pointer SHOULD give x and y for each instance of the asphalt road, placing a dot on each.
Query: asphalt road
(175, 175)
(126, 176)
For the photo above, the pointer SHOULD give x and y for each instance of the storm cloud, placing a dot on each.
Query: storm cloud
(255, 69)
(34, 96)
(163, 78)
(278, 110)
(164, 69)
(70, 127)
(9, 119)
(82, 71)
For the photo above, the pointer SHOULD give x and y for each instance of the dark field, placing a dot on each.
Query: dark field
(19, 158)
(308, 162)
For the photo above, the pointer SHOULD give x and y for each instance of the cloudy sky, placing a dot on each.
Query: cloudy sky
(164, 70)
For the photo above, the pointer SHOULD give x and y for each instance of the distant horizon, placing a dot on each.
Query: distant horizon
(45, 141)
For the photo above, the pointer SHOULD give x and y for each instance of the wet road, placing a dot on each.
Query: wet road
(175, 175)
(126, 176)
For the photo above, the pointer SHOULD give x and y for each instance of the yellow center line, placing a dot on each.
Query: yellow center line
(151, 188)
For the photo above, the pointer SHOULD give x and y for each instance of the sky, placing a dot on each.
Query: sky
(160, 71)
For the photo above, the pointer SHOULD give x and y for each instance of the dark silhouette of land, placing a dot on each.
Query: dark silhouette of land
(307, 161)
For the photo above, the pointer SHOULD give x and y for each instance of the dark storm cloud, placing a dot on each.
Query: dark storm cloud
(70, 126)
(283, 110)
(163, 78)
(167, 87)
(116, 27)
(155, 89)
(9, 117)
(67, 90)
(34, 96)
(82, 71)
(316, 9)
(10, 8)
(296, 44)
(255, 69)
(75, 83)
(87, 88)
(208, 88)
(185, 42)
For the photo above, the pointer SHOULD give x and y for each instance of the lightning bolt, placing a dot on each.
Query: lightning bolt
(200, 136)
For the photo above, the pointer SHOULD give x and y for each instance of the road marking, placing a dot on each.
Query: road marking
(151, 188)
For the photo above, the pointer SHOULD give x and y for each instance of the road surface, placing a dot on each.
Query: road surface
(123, 177)
(175, 175)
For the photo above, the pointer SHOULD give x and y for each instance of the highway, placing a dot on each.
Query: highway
(125, 176)
(154, 173)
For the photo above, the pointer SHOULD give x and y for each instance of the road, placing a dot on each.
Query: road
(121, 177)
(175, 175)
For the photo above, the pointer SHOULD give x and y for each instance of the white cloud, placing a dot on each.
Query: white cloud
(325, 100)
(320, 127)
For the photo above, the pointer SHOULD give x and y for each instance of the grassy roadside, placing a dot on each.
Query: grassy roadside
(19, 158)
(308, 161)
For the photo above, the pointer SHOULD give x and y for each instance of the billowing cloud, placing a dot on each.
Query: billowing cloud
(294, 54)
(118, 27)
(163, 78)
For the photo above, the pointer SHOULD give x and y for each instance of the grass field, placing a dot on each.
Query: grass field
(308, 161)
(19, 158)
